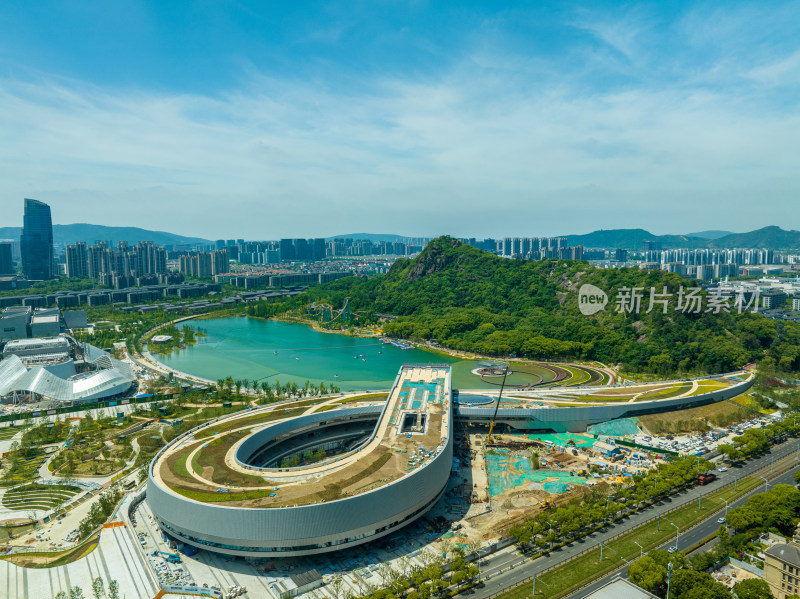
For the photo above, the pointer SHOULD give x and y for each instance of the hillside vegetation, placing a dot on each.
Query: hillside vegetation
(472, 300)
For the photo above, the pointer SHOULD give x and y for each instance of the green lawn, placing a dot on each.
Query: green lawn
(577, 377)
(38, 497)
(180, 467)
(240, 422)
(9, 431)
(569, 576)
(25, 470)
(674, 391)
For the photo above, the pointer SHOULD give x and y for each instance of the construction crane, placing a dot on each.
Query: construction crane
(497, 405)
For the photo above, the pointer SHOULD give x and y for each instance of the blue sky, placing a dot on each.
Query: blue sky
(267, 119)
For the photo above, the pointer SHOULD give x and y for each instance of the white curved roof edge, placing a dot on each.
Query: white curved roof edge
(115, 378)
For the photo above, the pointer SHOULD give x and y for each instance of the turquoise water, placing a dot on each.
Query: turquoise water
(249, 348)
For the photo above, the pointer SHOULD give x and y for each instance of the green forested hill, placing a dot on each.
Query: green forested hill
(473, 300)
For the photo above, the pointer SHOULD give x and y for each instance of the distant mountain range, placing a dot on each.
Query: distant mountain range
(710, 234)
(67, 234)
(772, 237)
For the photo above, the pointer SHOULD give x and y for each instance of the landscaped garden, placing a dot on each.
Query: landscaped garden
(38, 497)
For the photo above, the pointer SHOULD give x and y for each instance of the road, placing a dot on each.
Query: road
(695, 535)
(506, 568)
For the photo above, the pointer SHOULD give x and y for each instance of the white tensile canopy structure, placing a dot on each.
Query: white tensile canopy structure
(112, 377)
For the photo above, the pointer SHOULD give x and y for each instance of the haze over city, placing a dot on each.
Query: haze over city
(251, 121)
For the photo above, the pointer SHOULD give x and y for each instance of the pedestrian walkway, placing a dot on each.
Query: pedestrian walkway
(116, 558)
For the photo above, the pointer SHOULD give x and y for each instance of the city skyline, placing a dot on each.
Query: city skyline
(284, 121)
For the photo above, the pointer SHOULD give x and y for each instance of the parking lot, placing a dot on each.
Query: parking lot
(702, 443)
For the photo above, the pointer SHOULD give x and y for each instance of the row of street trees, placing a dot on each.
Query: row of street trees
(776, 511)
(567, 522)
(98, 591)
(757, 440)
(273, 391)
(434, 577)
(572, 520)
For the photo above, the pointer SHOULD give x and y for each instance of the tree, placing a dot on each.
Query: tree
(336, 587)
(647, 574)
(696, 585)
(797, 477)
(98, 588)
(458, 578)
(113, 589)
(752, 588)
(534, 459)
(76, 592)
(473, 546)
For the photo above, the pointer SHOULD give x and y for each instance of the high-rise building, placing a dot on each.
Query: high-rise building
(96, 255)
(287, 250)
(150, 259)
(651, 245)
(219, 262)
(77, 261)
(36, 241)
(302, 251)
(198, 265)
(6, 261)
(318, 249)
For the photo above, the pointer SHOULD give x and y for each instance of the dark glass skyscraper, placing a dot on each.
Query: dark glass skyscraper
(6, 261)
(36, 241)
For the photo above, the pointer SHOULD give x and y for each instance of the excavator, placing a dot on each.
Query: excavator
(497, 405)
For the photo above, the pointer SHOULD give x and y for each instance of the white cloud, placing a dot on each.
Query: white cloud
(494, 146)
(783, 71)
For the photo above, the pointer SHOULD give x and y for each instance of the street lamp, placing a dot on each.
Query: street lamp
(765, 483)
(641, 549)
(726, 508)
(677, 534)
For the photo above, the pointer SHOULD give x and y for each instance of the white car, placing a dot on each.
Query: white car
(722, 469)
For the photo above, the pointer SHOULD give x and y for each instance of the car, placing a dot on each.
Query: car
(722, 469)
(721, 521)
(672, 549)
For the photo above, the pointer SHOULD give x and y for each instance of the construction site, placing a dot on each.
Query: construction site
(508, 478)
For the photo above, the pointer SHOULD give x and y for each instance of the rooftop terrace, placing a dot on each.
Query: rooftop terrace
(411, 429)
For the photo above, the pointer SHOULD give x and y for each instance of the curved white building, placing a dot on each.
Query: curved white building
(394, 467)
(58, 379)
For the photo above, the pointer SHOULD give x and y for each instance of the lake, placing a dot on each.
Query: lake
(251, 348)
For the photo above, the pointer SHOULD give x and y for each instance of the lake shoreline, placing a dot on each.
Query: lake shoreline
(292, 349)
